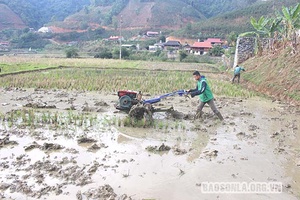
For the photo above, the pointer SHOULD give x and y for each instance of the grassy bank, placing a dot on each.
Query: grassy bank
(275, 74)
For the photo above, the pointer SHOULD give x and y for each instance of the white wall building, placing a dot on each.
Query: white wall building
(44, 30)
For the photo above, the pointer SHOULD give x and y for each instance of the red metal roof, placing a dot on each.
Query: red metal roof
(214, 40)
(202, 45)
(4, 43)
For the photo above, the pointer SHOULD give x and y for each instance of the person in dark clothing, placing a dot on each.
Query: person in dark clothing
(205, 95)
(237, 73)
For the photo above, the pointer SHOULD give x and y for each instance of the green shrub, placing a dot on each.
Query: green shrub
(182, 55)
(217, 51)
(105, 53)
(72, 53)
(199, 59)
(125, 53)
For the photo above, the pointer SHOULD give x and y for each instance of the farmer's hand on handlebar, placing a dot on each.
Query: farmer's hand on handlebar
(188, 92)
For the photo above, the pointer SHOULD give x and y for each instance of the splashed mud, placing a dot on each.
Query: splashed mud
(77, 148)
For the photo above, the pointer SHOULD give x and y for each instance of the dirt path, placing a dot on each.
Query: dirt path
(257, 142)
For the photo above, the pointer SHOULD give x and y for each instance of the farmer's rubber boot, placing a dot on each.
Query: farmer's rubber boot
(220, 116)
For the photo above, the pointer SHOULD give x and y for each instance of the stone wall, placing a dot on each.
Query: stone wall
(245, 49)
(246, 46)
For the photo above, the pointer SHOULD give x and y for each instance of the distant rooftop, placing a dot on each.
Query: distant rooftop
(202, 45)
(214, 40)
(172, 43)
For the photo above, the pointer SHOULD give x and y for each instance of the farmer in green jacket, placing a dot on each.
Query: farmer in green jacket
(205, 94)
(237, 73)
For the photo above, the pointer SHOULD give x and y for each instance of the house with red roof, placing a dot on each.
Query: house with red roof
(114, 39)
(201, 48)
(4, 46)
(214, 41)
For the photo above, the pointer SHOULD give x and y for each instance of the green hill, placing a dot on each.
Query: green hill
(36, 13)
(188, 18)
(9, 19)
(136, 13)
(236, 21)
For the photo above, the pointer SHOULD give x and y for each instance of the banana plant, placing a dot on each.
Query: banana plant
(264, 27)
(260, 25)
(290, 18)
(286, 23)
(261, 30)
(274, 26)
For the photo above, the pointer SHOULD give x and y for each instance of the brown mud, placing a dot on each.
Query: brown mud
(98, 157)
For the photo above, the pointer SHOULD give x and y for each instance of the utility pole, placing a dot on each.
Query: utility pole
(120, 23)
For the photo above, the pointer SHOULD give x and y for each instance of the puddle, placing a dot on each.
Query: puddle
(243, 148)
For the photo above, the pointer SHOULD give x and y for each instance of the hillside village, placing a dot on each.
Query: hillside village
(196, 48)
(95, 22)
(193, 31)
(171, 44)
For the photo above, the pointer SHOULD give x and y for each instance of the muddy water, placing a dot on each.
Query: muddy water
(258, 141)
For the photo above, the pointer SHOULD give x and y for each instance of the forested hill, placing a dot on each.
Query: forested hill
(205, 15)
(151, 14)
(237, 21)
(36, 13)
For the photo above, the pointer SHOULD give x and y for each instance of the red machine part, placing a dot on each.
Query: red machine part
(131, 94)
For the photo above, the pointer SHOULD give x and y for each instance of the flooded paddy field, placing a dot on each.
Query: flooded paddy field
(68, 144)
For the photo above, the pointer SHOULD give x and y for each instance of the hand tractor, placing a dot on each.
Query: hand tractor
(131, 102)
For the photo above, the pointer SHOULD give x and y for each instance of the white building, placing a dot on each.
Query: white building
(44, 30)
